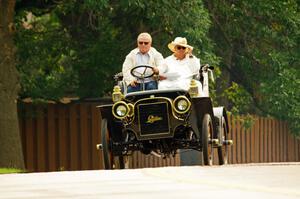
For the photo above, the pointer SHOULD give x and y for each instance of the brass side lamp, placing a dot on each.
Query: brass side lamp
(117, 94)
(193, 90)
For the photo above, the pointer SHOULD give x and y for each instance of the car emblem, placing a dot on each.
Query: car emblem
(151, 119)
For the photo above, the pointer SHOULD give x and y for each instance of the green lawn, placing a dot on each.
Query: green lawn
(9, 170)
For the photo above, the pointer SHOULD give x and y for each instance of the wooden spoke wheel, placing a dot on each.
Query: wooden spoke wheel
(109, 160)
(207, 135)
(223, 149)
(106, 148)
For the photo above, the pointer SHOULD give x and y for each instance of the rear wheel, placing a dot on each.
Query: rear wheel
(207, 135)
(109, 160)
(223, 149)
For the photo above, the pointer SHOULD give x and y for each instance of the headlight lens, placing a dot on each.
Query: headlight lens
(120, 109)
(181, 104)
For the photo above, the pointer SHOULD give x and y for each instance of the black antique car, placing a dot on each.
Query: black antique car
(161, 122)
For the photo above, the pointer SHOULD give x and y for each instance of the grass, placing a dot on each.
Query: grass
(10, 170)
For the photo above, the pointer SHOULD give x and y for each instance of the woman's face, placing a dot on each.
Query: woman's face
(180, 52)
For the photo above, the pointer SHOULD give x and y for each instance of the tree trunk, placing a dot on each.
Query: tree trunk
(10, 141)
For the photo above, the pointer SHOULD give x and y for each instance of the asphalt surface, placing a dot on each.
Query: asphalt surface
(233, 181)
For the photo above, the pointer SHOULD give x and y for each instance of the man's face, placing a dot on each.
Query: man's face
(144, 44)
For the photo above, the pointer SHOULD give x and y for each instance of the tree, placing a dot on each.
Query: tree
(10, 142)
(260, 49)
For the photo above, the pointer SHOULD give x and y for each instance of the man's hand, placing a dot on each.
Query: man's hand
(133, 83)
(155, 70)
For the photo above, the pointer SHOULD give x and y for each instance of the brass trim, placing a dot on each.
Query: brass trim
(117, 104)
(161, 98)
(131, 110)
(153, 98)
(179, 98)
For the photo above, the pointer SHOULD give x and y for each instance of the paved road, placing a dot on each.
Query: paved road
(272, 181)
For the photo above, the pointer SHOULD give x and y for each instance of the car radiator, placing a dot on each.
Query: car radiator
(153, 118)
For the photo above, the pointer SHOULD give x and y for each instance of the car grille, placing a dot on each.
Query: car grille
(153, 118)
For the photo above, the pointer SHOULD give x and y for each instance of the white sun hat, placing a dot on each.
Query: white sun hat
(179, 41)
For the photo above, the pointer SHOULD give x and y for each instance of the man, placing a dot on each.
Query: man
(144, 54)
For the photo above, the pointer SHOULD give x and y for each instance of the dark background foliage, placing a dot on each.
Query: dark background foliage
(73, 48)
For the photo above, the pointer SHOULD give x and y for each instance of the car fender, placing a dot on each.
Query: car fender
(220, 112)
(200, 107)
(114, 125)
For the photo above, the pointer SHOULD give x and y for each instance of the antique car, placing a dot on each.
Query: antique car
(162, 122)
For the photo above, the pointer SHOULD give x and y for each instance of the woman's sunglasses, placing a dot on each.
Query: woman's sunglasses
(142, 42)
(180, 47)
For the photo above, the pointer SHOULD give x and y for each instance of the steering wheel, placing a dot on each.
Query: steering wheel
(142, 71)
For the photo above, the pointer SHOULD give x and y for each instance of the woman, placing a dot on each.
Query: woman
(179, 68)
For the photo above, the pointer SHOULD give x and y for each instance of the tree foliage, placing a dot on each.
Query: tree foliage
(74, 47)
(77, 46)
(44, 57)
(259, 45)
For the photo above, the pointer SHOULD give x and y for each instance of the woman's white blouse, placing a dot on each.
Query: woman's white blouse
(178, 72)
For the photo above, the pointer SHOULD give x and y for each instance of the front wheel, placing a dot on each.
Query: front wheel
(207, 135)
(109, 160)
(106, 148)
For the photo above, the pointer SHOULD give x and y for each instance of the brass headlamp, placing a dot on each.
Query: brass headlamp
(120, 110)
(181, 104)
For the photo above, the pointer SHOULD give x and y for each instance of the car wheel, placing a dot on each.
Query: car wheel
(109, 160)
(223, 149)
(207, 135)
(106, 149)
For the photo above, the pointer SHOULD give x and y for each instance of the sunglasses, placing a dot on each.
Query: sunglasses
(142, 42)
(180, 47)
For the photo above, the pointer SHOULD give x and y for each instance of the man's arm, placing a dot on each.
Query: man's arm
(127, 66)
